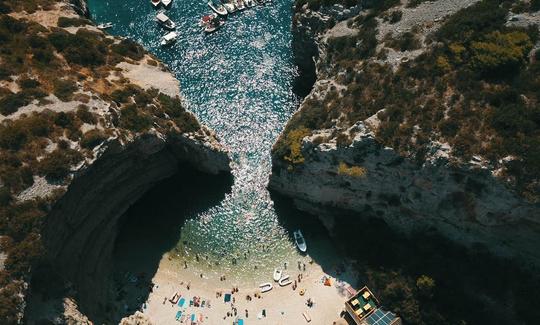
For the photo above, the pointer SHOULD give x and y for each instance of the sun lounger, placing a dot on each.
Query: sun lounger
(306, 316)
(192, 318)
(354, 302)
(178, 315)
(366, 295)
(240, 322)
(367, 307)
(181, 302)
(227, 297)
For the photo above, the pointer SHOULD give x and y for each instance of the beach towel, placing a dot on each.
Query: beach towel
(181, 302)
(178, 314)
(227, 297)
(192, 317)
(201, 318)
(240, 322)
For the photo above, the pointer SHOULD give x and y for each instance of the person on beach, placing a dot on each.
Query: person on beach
(246, 313)
(304, 266)
(185, 265)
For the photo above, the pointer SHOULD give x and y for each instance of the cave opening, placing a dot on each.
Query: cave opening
(151, 227)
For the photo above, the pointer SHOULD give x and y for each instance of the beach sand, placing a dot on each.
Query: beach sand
(283, 305)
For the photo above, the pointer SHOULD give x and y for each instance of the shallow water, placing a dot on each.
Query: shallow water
(238, 81)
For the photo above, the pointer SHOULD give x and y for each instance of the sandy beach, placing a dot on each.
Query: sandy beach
(282, 305)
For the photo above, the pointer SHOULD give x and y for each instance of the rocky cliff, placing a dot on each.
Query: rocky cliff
(371, 138)
(83, 135)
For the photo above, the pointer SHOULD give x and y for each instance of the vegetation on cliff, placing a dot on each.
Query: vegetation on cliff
(475, 87)
(52, 137)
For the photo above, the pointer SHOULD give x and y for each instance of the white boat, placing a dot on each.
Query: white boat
(277, 274)
(213, 25)
(265, 287)
(105, 26)
(165, 21)
(229, 6)
(219, 8)
(168, 39)
(155, 3)
(166, 3)
(300, 241)
(284, 281)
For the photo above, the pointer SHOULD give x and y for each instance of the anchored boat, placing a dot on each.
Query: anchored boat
(104, 26)
(229, 6)
(265, 287)
(166, 3)
(284, 281)
(155, 3)
(277, 274)
(240, 5)
(300, 241)
(212, 25)
(168, 39)
(217, 8)
(165, 21)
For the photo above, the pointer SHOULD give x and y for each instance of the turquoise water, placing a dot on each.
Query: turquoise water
(238, 81)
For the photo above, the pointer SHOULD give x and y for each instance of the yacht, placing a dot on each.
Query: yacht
(165, 21)
(168, 39)
(217, 8)
(155, 3)
(300, 241)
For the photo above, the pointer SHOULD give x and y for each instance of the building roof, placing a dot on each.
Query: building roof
(364, 309)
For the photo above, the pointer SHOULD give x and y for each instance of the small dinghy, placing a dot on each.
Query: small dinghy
(217, 8)
(213, 25)
(168, 39)
(104, 26)
(166, 3)
(300, 241)
(265, 287)
(207, 19)
(155, 3)
(284, 281)
(165, 21)
(277, 274)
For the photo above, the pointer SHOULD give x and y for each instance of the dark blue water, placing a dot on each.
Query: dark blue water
(238, 81)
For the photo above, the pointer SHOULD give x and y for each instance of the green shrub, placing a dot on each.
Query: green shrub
(12, 136)
(92, 138)
(129, 48)
(85, 115)
(5, 196)
(11, 103)
(57, 164)
(64, 89)
(132, 119)
(75, 22)
(405, 42)
(27, 83)
(500, 53)
(64, 120)
(187, 122)
(84, 48)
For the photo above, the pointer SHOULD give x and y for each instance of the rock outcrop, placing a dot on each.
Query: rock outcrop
(338, 168)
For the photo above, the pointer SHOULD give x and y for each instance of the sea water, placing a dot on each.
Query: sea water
(238, 81)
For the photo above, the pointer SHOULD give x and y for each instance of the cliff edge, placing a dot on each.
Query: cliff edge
(83, 134)
(423, 114)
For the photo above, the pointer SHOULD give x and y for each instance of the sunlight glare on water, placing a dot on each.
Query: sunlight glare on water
(238, 81)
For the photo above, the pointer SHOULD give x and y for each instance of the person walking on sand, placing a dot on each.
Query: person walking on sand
(185, 265)
(246, 313)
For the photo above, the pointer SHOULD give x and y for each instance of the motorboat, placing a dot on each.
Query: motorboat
(217, 8)
(284, 281)
(165, 21)
(207, 19)
(104, 26)
(213, 25)
(166, 3)
(277, 274)
(265, 287)
(300, 241)
(240, 5)
(229, 6)
(155, 3)
(168, 39)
